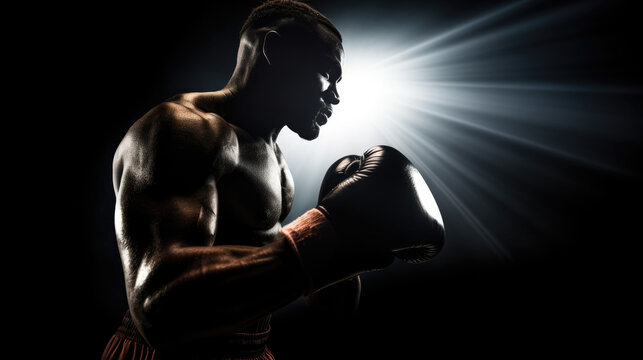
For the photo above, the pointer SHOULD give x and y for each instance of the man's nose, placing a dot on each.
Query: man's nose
(331, 95)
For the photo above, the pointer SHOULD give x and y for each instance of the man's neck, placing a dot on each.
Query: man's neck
(241, 108)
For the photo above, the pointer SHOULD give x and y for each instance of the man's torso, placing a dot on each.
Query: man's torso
(256, 195)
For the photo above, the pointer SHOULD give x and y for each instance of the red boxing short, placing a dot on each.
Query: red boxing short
(128, 344)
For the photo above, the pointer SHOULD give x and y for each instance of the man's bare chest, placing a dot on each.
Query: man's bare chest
(258, 194)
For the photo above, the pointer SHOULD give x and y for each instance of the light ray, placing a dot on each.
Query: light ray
(463, 104)
(505, 36)
(544, 87)
(517, 139)
(445, 35)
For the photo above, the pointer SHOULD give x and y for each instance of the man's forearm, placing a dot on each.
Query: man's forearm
(200, 292)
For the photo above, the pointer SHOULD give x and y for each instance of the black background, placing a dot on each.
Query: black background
(109, 61)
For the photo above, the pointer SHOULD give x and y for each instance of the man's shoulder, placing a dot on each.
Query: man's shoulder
(175, 118)
(183, 134)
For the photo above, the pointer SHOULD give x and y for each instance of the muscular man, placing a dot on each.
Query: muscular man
(202, 189)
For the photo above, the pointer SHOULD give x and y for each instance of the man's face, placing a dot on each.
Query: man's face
(312, 86)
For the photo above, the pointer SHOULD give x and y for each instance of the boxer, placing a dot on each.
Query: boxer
(202, 189)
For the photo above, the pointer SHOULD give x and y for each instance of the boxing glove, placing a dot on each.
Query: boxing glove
(377, 206)
(381, 202)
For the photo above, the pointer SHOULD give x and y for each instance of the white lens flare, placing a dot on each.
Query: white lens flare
(370, 95)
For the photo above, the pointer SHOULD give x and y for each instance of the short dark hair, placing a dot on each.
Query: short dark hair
(272, 10)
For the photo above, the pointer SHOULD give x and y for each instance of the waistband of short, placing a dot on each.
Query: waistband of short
(249, 341)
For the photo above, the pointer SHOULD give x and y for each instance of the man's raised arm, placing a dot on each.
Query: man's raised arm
(180, 287)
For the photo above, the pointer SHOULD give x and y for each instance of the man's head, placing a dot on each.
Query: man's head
(292, 55)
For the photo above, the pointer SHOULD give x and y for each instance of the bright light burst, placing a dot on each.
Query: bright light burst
(464, 105)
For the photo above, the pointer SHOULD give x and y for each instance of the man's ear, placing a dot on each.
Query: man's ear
(270, 45)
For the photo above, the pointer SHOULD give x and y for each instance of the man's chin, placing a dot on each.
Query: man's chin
(310, 133)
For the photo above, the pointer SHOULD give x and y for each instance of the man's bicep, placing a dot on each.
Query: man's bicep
(153, 219)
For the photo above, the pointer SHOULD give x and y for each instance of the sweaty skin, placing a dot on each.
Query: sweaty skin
(202, 189)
